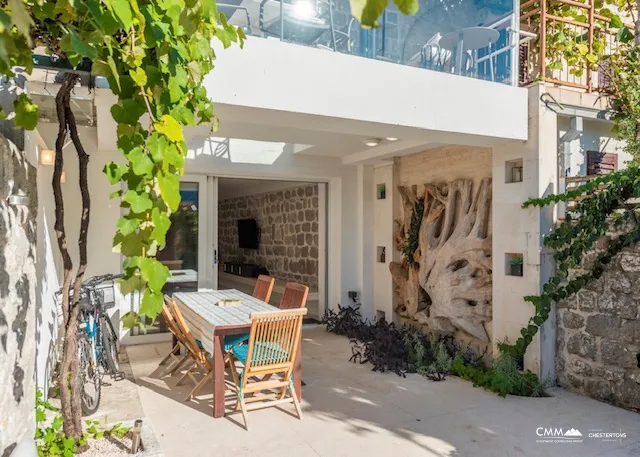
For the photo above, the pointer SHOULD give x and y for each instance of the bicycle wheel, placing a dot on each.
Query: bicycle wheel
(89, 377)
(109, 346)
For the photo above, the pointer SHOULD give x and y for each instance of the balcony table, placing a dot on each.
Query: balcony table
(209, 323)
(469, 39)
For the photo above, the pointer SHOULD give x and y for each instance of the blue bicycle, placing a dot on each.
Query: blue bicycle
(97, 339)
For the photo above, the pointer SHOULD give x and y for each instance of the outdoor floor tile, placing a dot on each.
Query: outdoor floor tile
(351, 411)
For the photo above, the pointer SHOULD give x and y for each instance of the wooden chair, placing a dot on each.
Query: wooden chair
(173, 327)
(273, 343)
(201, 358)
(263, 288)
(294, 296)
(262, 291)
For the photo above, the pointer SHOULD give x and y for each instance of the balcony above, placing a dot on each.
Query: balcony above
(475, 38)
(309, 75)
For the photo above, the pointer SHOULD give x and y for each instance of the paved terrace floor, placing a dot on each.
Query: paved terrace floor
(351, 411)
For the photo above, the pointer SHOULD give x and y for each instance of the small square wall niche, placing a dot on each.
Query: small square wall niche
(513, 264)
(381, 191)
(513, 171)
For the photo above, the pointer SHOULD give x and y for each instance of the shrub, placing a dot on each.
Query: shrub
(406, 349)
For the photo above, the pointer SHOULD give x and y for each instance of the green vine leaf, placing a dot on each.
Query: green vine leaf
(26, 112)
(170, 127)
(138, 203)
(154, 273)
(169, 185)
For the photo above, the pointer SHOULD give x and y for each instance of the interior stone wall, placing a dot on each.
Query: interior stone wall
(598, 337)
(17, 298)
(451, 290)
(288, 220)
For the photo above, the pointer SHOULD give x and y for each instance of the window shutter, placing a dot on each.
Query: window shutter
(603, 75)
(601, 163)
(523, 65)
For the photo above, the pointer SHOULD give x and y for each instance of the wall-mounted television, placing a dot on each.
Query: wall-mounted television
(248, 234)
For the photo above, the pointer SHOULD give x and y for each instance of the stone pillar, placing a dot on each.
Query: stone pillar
(18, 211)
(519, 232)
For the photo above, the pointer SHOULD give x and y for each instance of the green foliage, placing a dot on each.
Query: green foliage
(516, 261)
(624, 74)
(50, 438)
(96, 431)
(503, 377)
(440, 367)
(413, 237)
(155, 55)
(602, 210)
(368, 11)
(568, 44)
(407, 350)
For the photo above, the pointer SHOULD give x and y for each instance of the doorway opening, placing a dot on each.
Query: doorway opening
(276, 228)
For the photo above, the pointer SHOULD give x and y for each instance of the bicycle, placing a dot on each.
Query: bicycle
(97, 339)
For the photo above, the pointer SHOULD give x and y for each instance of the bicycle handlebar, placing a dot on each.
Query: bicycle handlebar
(94, 281)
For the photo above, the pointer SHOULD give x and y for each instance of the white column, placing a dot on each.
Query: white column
(383, 238)
(520, 231)
(365, 239)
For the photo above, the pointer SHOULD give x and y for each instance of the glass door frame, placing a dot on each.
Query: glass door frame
(204, 210)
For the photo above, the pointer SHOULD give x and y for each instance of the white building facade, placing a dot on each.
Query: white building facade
(357, 123)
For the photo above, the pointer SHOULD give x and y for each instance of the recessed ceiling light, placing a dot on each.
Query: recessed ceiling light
(391, 139)
(372, 141)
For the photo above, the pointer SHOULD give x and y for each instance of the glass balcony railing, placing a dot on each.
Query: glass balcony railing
(474, 38)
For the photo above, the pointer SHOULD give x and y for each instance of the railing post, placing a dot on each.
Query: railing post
(543, 40)
(514, 42)
(592, 12)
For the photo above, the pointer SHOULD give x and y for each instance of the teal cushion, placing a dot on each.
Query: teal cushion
(235, 340)
(268, 353)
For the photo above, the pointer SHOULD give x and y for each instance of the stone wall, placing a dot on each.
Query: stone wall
(17, 298)
(598, 339)
(288, 220)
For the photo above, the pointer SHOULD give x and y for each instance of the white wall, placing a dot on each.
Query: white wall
(104, 215)
(254, 159)
(520, 231)
(383, 215)
(596, 136)
(270, 76)
(242, 159)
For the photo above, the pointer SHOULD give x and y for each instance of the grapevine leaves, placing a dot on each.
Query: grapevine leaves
(594, 216)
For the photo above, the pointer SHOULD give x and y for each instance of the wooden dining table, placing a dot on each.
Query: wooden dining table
(210, 323)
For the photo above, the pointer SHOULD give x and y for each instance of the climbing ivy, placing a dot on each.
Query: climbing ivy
(603, 205)
(603, 209)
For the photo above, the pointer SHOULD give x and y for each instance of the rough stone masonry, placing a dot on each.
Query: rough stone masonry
(289, 223)
(598, 338)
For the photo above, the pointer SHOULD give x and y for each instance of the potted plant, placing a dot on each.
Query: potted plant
(516, 266)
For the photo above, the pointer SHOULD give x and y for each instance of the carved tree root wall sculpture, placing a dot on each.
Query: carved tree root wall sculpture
(449, 288)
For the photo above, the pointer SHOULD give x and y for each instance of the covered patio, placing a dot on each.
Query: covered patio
(351, 411)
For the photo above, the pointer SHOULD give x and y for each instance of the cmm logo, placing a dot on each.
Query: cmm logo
(556, 435)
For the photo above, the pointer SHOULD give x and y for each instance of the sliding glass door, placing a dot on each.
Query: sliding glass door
(190, 250)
